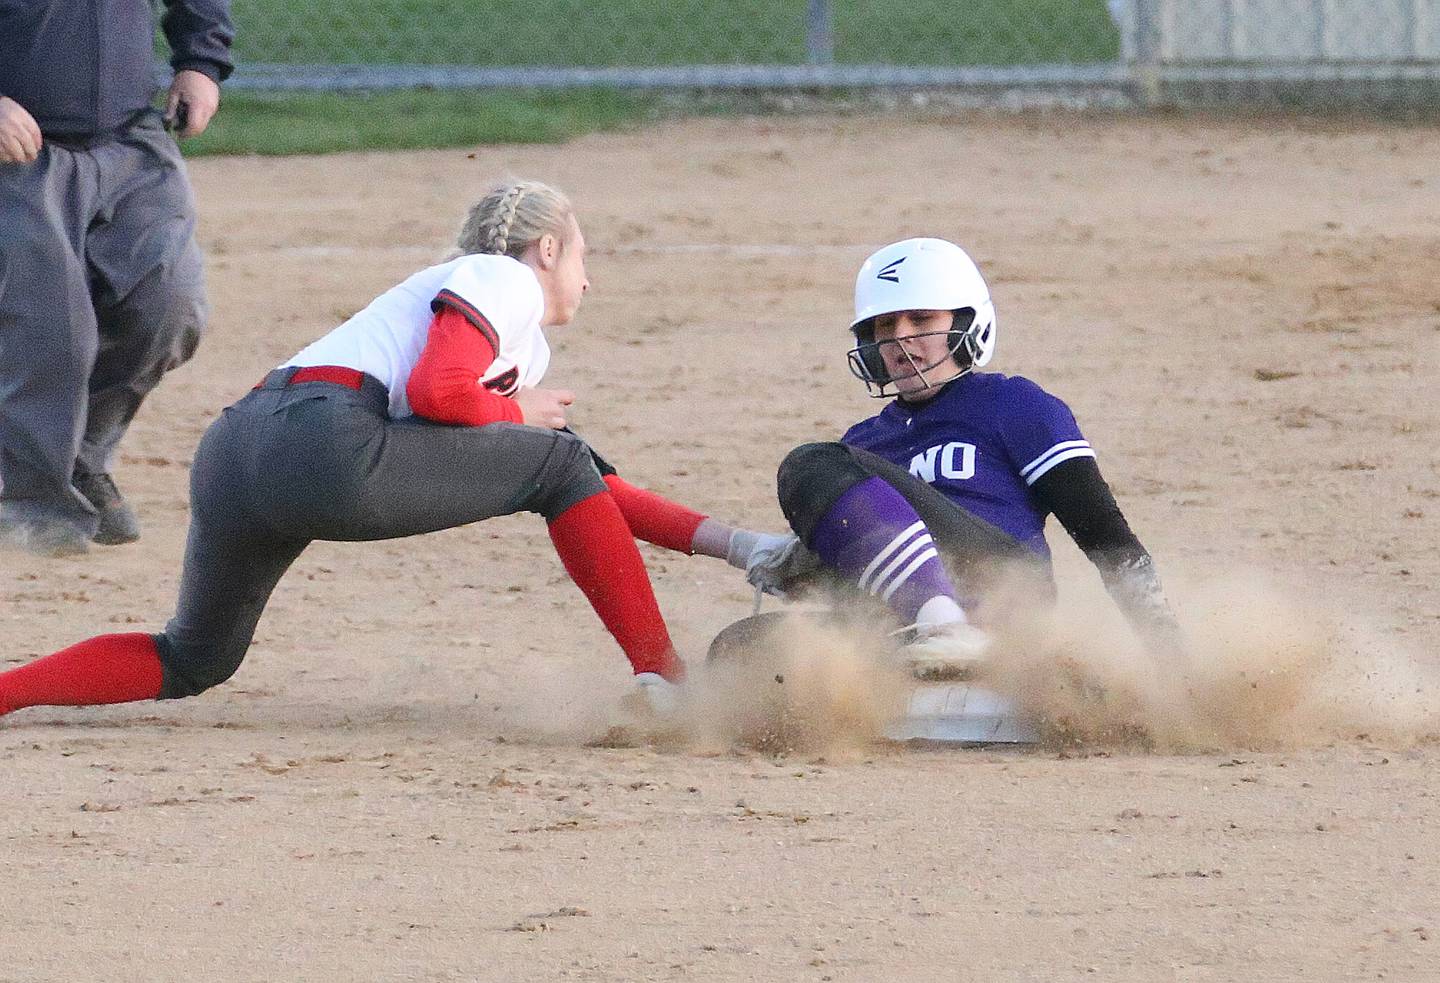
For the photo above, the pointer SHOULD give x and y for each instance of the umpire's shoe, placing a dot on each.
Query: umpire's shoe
(118, 523)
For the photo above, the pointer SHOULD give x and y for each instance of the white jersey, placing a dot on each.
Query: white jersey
(500, 296)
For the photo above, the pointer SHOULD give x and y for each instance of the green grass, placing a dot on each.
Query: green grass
(590, 33)
(669, 32)
(323, 122)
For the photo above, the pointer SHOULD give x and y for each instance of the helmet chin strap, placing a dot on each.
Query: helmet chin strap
(919, 372)
(867, 363)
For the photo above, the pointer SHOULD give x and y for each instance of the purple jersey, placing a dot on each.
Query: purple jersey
(983, 441)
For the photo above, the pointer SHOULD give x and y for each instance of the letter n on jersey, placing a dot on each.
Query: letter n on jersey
(954, 460)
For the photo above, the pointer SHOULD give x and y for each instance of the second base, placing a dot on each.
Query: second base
(961, 713)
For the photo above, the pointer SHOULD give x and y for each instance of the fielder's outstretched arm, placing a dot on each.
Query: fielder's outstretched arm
(443, 388)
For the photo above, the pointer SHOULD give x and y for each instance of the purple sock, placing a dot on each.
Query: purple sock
(873, 537)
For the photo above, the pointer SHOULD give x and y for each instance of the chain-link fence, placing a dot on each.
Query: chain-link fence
(1154, 51)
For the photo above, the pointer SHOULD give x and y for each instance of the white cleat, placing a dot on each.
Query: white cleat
(654, 695)
(954, 650)
(949, 707)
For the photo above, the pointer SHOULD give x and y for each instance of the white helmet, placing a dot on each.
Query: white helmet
(921, 275)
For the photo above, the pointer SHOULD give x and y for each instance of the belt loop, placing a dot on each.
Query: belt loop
(276, 378)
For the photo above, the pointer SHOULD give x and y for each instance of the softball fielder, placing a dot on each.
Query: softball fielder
(421, 412)
(962, 464)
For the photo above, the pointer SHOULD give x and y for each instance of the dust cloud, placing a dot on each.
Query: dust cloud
(1263, 668)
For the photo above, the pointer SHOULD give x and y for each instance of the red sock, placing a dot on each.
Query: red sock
(107, 669)
(599, 554)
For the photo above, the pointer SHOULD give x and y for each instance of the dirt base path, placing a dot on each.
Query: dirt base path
(396, 785)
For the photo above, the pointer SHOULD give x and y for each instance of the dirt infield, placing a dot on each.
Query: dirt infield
(397, 784)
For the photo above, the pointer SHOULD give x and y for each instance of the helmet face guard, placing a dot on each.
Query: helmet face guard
(867, 363)
(921, 275)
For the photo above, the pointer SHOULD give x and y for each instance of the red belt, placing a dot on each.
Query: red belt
(338, 374)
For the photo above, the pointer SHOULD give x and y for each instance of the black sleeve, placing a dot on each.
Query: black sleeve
(1076, 493)
(200, 33)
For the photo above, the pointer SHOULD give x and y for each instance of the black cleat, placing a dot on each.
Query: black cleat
(118, 523)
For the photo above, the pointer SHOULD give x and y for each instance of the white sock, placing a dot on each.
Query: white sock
(940, 610)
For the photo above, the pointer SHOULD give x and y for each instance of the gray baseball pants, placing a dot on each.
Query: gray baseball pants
(292, 463)
(101, 293)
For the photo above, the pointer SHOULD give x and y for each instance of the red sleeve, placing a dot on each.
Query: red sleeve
(443, 386)
(654, 518)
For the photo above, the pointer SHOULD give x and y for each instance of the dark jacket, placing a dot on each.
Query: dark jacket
(84, 68)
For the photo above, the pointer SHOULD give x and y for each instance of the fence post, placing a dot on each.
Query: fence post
(819, 33)
(1149, 44)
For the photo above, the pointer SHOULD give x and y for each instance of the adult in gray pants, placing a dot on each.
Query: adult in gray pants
(101, 291)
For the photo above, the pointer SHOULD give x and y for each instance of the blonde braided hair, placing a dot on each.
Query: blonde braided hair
(512, 216)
